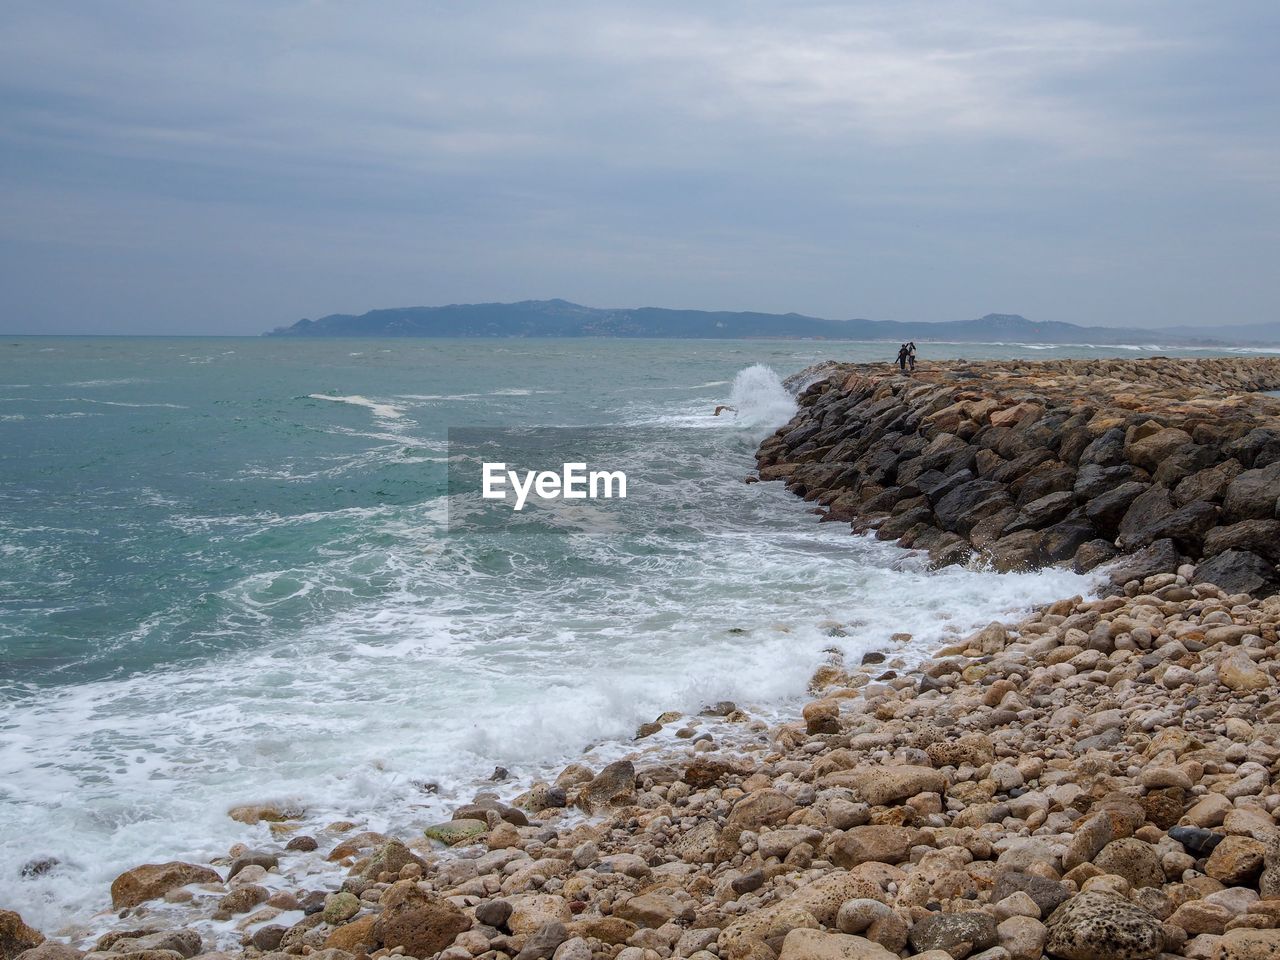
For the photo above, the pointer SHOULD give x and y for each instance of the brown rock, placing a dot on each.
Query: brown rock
(152, 880)
(1236, 860)
(869, 844)
(422, 924)
(15, 936)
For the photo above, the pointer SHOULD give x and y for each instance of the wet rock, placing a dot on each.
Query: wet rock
(454, 832)
(267, 938)
(15, 936)
(340, 907)
(303, 844)
(152, 880)
(613, 786)
(266, 861)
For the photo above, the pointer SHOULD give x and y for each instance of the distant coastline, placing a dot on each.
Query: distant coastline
(560, 318)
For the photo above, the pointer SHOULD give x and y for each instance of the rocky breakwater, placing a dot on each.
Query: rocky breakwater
(1163, 461)
(1096, 782)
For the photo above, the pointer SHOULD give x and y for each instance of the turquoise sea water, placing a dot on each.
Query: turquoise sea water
(224, 577)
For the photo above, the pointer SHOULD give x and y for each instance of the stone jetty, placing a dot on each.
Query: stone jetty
(1024, 464)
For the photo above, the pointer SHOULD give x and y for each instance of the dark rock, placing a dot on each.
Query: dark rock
(1186, 527)
(1197, 840)
(748, 882)
(1238, 571)
(1048, 894)
(1257, 536)
(1159, 557)
(1048, 509)
(268, 938)
(1253, 494)
(494, 913)
(947, 484)
(542, 943)
(1018, 551)
(302, 844)
(964, 506)
(1209, 484)
(1144, 513)
(1061, 541)
(951, 931)
(1093, 480)
(1106, 451)
(1259, 447)
(1108, 508)
(38, 867)
(1093, 554)
(1183, 463)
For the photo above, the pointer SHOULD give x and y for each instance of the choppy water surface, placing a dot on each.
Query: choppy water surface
(224, 577)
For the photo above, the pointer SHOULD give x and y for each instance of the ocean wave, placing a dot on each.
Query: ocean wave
(383, 411)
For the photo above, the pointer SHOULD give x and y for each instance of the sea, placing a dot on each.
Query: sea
(228, 575)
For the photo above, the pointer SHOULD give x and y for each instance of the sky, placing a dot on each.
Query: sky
(229, 167)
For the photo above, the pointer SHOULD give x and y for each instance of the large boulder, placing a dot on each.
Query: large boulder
(1159, 557)
(1107, 509)
(1257, 536)
(1246, 944)
(153, 880)
(1144, 513)
(1238, 571)
(1208, 484)
(1253, 494)
(15, 936)
(964, 506)
(1152, 450)
(1100, 926)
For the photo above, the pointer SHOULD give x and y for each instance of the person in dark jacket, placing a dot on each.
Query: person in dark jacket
(903, 354)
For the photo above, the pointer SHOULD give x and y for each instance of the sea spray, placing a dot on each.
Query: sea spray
(760, 399)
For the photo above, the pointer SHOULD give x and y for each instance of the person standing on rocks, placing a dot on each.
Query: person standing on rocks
(903, 353)
(911, 355)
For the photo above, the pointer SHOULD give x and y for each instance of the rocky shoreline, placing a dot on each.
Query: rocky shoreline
(1096, 780)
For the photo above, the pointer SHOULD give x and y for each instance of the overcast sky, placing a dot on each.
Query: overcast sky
(229, 167)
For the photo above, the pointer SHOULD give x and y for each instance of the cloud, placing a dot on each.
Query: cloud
(839, 149)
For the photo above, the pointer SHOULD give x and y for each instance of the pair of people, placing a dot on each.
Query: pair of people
(907, 356)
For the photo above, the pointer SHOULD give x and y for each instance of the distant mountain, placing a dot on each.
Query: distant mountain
(560, 318)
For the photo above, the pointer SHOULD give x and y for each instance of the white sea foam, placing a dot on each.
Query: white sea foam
(383, 411)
